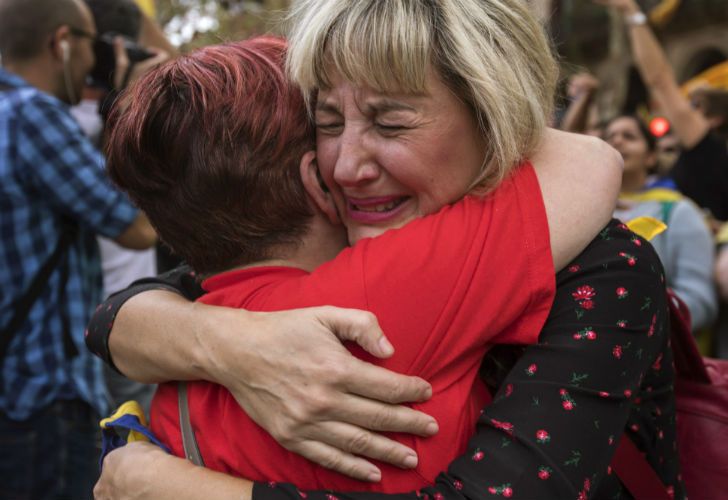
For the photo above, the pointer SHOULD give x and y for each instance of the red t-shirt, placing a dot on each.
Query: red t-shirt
(444, 288)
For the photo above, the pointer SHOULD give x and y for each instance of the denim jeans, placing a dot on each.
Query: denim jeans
(52, 455)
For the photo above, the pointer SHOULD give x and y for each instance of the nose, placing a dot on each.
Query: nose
(355, 164)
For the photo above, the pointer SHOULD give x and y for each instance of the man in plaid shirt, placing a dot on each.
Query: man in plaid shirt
(51, 179)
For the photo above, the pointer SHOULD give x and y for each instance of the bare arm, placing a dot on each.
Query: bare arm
(291, 374)
(142, 471)
(582, 90)
(657, 73)
(139, 235)
(580, 178)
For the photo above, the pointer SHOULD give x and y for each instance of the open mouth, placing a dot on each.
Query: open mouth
(375, 209)
(379, 207)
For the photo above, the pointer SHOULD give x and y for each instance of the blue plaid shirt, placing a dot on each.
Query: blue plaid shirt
(48, 169)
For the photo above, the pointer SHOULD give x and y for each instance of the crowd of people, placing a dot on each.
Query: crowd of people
(402, 274)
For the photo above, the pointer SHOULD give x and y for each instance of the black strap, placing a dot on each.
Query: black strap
(22, 306)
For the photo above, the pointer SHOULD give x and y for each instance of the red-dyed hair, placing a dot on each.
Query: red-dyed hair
(209, 145)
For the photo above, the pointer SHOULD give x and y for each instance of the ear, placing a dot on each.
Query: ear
(316, 189)
(59, 44)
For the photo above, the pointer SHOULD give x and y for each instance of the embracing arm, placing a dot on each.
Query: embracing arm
(291, 374)
(580, 178)
(576, 407)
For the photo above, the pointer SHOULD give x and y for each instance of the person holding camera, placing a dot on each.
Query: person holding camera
(54, 199)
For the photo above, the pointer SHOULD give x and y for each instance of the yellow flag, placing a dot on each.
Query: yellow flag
(148, 7)
(647, 227)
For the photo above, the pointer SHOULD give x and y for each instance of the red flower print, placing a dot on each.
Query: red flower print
(542, 436)
(575, 268)
(631, 259)
(584, 293)
(504, 426)
(603, 394)
(585, 333)
(587, 304)
(567, 402)
(478, 456)
(531, 370)
(671, 491)
(623, 226)
(329, 496)
(504, 490)
(637, 241)
(438, 496)
(617, 351)
(634, 427)
(660, 435)
(622, 293)
(457, 485)
(302, 494)
(622, 323)
(272, 484)
(509, 389)
(609, 470)
(544, 472)
(651, 331)
(657, 365)
(610, 440)
(627, 393)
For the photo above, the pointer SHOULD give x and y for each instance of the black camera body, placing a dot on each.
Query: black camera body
(102, 74)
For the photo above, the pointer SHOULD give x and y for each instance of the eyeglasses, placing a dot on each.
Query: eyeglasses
(81, 33)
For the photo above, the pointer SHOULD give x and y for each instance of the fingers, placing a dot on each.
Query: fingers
(339, 461)
(364, 443)
(374, 382)
(376, 416)
(357, 326)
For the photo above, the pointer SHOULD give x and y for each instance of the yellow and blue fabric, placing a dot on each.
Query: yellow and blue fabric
(128, 420)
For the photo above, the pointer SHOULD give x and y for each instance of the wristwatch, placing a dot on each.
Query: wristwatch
(636, 19)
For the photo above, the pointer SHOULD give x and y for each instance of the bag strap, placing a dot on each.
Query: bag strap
(189, 442)
(635, 473)
(23, 305)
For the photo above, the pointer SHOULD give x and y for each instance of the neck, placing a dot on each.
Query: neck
(633, 181)
(321, 243)
(36, 73)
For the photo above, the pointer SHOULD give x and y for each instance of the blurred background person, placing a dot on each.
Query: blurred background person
(54, 198)
(686, 249)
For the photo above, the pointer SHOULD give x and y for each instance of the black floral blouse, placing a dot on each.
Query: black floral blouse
(602, 367)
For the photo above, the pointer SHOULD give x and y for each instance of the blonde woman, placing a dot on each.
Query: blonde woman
(378, 126)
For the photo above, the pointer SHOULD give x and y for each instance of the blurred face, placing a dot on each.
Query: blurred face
(626, 137)
(81, 57)
(390, 158)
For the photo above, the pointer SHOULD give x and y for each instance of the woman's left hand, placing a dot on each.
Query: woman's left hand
(143, 471)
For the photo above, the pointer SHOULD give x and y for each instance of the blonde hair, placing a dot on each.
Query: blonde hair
(492, 54)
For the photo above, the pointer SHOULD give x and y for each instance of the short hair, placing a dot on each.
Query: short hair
(119, 16)
(715, 104)
(25, 25)
(494, 55)
(209, 146)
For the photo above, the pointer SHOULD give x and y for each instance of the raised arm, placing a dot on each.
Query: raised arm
(658, 75)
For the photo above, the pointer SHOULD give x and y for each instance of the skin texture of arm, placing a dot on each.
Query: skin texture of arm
(657, 73)
(140, 235)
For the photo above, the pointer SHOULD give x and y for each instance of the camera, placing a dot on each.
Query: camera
(102, 74)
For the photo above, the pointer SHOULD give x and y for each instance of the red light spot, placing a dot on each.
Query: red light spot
(659, 126)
